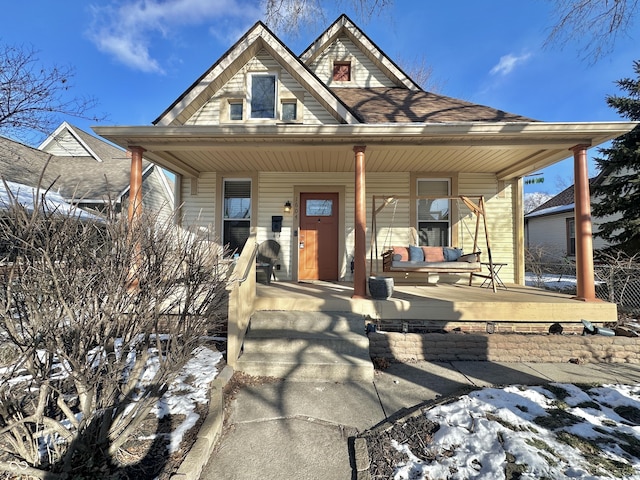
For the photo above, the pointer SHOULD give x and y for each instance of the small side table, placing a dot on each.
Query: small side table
(487, 278)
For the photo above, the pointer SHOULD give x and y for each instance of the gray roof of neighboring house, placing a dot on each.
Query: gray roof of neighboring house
(73, 177)
(565, 198)
(400, 105)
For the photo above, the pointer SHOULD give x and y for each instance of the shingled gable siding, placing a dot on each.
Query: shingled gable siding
(199, 209)
(364, 73)
(289, 88)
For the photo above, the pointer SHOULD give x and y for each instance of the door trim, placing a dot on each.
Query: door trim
(340, 190)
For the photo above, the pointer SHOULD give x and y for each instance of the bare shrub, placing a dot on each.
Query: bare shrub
(542, 260)
(100, 316)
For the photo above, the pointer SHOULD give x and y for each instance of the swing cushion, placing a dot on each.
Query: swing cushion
(434, 259)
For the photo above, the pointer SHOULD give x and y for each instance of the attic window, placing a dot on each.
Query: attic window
(263, 96)
(341, 71)
(235, 110)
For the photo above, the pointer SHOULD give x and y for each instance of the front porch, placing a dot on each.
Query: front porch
(441, 306)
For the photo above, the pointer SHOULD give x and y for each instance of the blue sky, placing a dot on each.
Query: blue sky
(136, 57)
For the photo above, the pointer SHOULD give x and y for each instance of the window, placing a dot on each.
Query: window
(319, 208)
(571, 236)
(235, 110)
(341, 71)
(236, 221)
(434, 219)
(289, 111)
(263, 96)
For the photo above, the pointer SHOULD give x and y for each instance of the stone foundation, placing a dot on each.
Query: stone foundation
(406, 347)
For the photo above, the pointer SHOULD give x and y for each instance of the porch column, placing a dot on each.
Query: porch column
(586, 290)
(135, 184)
(135, 213)
(360, 251)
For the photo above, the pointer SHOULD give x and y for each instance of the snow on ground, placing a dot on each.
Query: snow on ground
(190, 388)
(559, 431)
(550, 281)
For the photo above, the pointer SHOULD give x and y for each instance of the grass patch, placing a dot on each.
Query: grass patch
(495, 418)
(593, 405)
(556, 418)
(594, 456)
(630, 414)
(558, 392)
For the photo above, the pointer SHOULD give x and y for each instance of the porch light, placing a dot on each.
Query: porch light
(287, 207)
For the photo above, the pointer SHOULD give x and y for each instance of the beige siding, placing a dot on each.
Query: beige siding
(66, 145)
(309, 109)
(500, 220)
(198, 208)
(364, 73)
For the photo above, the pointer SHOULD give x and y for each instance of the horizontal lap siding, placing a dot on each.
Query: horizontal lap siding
(235, 88)
(364, 72)
(199, 210)
(549, 234)
(499, 212)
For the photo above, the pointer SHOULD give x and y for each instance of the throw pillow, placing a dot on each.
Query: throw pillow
(452, 254)
(433, 254)
(415, 254)
(403, 252)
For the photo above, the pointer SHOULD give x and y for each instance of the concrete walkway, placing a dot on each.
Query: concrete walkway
(301, 430)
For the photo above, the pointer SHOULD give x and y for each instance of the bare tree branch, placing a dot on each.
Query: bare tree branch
(595, 24)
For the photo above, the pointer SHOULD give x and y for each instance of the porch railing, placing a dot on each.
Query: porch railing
(242, 294)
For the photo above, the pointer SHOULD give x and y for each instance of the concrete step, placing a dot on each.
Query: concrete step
(307, 321)
(325, 346)
(307, 366)
(268, 342)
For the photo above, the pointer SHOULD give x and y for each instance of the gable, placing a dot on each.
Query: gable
(343, 41)
(235, 91)
(248, 48)
(64, 144)
(365, 73)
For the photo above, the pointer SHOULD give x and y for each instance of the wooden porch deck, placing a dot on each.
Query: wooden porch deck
(442, 306)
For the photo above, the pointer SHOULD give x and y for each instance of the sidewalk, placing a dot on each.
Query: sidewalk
(302, 430)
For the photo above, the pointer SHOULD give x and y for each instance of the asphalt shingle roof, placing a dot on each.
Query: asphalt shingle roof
(400, 105)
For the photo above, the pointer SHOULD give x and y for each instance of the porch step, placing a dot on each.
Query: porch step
(318, 346)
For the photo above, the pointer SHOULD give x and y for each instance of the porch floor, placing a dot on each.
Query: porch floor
(443, 305)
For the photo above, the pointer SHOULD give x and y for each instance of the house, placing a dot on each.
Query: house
(84, 170)
(551, 225)
(263, 129)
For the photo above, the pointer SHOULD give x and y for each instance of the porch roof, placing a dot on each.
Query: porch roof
(508, 149)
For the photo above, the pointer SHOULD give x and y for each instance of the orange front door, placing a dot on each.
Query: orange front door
(318, 238)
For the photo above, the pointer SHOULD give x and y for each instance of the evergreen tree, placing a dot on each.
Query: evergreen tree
(619, 192)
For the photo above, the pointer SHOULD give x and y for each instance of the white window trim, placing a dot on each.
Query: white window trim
(436, 179)
(276, 103)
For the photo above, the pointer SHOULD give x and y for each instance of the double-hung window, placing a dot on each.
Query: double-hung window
(434, 212)
(571, 237)
(236, 219)
(262, 91)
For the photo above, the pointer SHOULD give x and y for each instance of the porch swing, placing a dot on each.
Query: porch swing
(408, 258)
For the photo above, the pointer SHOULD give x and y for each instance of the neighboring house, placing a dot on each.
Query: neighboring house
(84, 170)
(552, 226)
(325, 131)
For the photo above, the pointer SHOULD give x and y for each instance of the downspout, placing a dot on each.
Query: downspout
(586, 290)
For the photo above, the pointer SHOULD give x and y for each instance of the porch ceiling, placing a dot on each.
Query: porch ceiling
(507, 149)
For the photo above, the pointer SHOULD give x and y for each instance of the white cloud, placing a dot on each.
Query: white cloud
(508, 62)
(125, 29)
